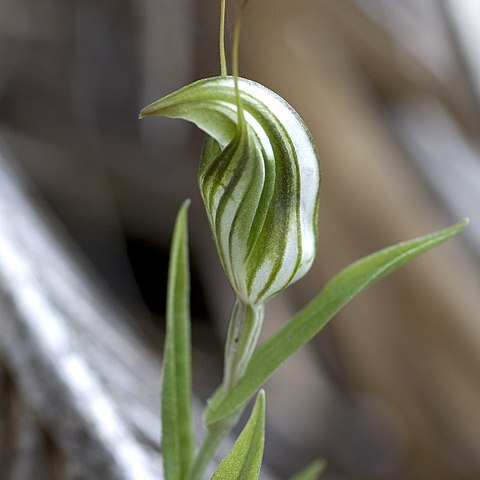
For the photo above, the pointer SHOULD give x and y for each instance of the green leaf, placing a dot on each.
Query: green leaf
(312, 472)
(177, 425)
(245, 459)
(312, 318)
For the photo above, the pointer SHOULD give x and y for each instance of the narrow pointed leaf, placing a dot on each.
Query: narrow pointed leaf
(177, 426)
(312, 472)
(245, 459)
(312, 318)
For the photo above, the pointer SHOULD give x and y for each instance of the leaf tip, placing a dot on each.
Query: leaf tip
(260, 403)
(183, 210)
(186, 204)
(312, 471)
(458, 227)
(464, 223)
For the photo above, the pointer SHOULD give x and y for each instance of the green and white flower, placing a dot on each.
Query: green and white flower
(259, 178)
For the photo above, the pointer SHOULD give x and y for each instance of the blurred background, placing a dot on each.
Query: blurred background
(390, 90)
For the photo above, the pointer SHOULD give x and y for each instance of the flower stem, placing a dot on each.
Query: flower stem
(223, 57)
(242, 336)
(214, 436)
(243, 331)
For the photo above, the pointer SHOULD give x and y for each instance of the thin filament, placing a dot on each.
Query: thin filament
(236, 42)
(223, 57)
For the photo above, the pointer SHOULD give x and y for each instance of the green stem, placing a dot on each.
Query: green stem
(214, 436)
(223, 56)
(242, 337)
(243, 331)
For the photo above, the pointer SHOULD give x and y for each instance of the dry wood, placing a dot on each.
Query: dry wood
(76, 362)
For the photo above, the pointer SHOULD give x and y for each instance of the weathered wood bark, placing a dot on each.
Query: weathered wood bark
(77, 364)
